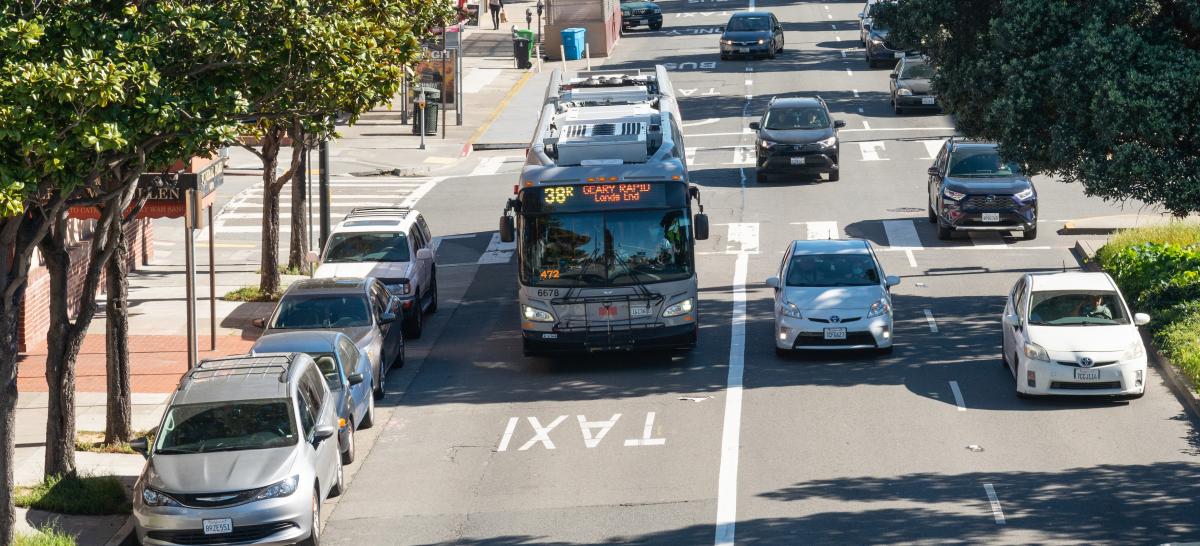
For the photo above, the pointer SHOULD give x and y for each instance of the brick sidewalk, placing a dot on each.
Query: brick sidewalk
(157, 362)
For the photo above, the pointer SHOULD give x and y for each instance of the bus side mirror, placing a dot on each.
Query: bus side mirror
(507, 229)
(700, 225)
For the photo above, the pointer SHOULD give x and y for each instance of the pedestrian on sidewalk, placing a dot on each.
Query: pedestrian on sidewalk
(495, 6)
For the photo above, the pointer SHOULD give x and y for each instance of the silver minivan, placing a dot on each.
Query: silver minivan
(245, 454)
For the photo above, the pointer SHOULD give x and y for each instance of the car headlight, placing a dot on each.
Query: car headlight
(399, 289)
(1135, 351)
(789, 309)
(761, 41)
(278, 489)
(726, 42)
(953, 195)
(536, 315)
(1035, 351)
(879, 308)
(829, 142)
(876, 42)
(1024, 194)
(154, 497)
(766, 144)
(904, 91)
(682, 308)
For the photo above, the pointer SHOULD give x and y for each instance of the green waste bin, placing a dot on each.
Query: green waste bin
(528, 35)
(428, 118)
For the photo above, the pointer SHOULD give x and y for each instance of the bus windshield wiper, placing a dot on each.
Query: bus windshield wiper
(633, 274)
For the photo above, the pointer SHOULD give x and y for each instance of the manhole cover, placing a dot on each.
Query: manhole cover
(907, 209)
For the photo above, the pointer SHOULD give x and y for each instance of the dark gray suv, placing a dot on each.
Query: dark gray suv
(972, 188)
(797, 136)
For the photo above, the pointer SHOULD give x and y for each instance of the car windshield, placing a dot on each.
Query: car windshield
(309, 312)
(783, 119)
(606, 249)
(367, 247)
(1075, 308)
(984, 163)
(916, 71)
(832, 270)
(226, 426)
(743, 24)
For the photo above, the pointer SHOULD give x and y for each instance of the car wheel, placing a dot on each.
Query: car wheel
(1029, 234)
(314, 536)
(368, 419)
(898, 110)
(1025, 396)
(398, 362)
(414, 323)
(932, 217)
(783, 353)
(527, 348)
(835, 175)
(886, 350)
(945, 233)
(377, 393)
(656, 26)
(348, 453)
(433, 298)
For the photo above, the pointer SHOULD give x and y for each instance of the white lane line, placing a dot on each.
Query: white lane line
(870, 150)
(749, 82)
(497, 252)
(690, 154)
(855, 91)
(416, 195)
(834, 27)
(731, 433)
(826, 8)
(843, 53)
(743, 239)
(508, 432)
(702, 122)
(932, 147)
(958, 399)
(866, 125)
(902, 235)
(830, 16)
(931, 321)
(822, 231)
(837, 38)
(849, 72)
(997, 512)
(898, 129)
(860, 110)
(489, 166)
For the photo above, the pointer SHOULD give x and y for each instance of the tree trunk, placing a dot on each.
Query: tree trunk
(118, 417)
(268, 282)
(298, 246)
(60, 369)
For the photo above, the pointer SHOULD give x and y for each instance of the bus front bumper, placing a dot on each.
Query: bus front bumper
(682, 336)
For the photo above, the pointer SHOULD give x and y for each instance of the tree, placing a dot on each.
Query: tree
(1101, 92)
(118, 426)
(319, 60)
(92, 93)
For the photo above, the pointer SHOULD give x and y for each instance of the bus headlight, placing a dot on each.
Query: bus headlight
(682, 308)
(536, 315)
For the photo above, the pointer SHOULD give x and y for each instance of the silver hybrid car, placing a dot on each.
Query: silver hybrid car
(245, 454)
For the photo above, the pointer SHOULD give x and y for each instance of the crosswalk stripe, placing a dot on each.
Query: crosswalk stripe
(823, 231)
(497, 252)
(932, 147)
(902, 235)
(489, 166)
(871, 150)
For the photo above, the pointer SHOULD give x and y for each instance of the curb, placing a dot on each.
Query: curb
(125, 535)
(1070, 229)
(501, 146)
(1180, 385)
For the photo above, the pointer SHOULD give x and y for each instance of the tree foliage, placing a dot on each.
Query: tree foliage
(1100, 92)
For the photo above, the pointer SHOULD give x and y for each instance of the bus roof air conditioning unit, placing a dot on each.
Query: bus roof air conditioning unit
(625, 141)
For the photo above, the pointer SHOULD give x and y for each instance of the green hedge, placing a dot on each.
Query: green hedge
(1158, 269)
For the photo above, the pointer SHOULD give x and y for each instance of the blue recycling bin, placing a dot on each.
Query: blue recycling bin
(573, 42)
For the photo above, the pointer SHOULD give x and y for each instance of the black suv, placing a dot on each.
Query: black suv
(636, 12)
(971, 188)
(797, 135)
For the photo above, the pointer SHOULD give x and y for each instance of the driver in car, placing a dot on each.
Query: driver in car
(1093, 307)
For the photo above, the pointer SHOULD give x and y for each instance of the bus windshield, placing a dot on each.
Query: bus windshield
(616, 248)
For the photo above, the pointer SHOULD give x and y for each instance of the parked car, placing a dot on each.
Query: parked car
(798, 136)
(394, 245)
(910, 86)
(243, 455)
(880, 51)
(972, 188)
(832, 294)
(347, 373)
(1072, 333)
(636, 13)
(752, 33)
(865, 19)
(363, 309)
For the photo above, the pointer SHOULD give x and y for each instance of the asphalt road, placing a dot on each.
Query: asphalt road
(485, 446)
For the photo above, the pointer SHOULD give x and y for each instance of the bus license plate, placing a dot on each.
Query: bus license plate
(835, 333)
(899, 54)
(1087, 374)
(637, 311)
(218, 526)
(798, 160)
(991, 217)
(927, 100)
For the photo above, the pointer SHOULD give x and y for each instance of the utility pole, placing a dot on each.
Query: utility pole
(323, 189)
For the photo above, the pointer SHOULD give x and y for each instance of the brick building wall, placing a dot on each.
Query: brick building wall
(35, 313)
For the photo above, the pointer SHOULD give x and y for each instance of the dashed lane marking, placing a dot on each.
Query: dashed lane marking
(994, 501)
(958, 397)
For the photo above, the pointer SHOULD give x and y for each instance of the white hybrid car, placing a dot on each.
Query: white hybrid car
(832, 294)
(1072, 333)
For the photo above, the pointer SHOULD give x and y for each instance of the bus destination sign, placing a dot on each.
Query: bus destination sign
(595, 194)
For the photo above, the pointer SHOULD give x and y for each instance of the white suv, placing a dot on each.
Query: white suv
(391, 244)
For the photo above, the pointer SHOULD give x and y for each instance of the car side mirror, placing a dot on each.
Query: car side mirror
(893, 75)
(354, 379)
(141, 445)
(838, 124)
(1013, 320)
(867, 26)
(754, 125)
(700, 226)
(508, 229)
(312, 257)
(259, 323)
(387, 317)
(862, 15)
(1141, 319)
(773, 282)
(891, 280)
(934, 171)
(424, 254)
(323, 432)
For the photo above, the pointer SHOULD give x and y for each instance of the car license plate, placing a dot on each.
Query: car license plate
(218, 526)
(637, 311)
(835, 333)
(633, 21)
(743, 50)
(899, 54)
(1087, 374)
(991, 217)
(927, 100)
(798, 160)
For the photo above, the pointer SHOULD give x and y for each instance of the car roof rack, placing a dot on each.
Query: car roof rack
(365, 212)
(241, 365)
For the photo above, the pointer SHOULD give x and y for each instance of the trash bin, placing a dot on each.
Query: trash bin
(528, 35)
(521, 53)
(428, 118)
(573, 40)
